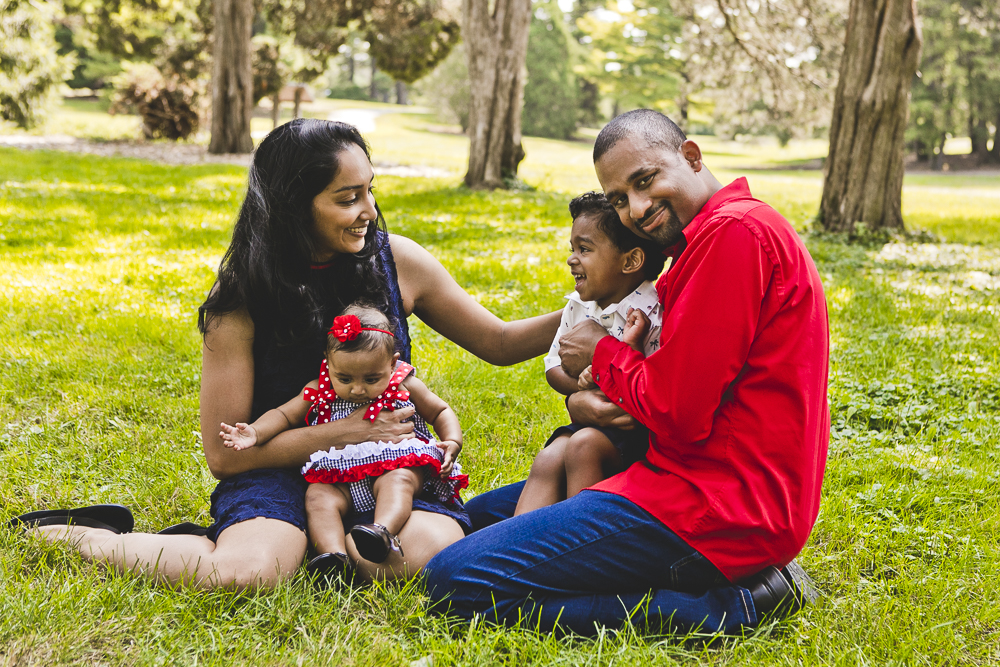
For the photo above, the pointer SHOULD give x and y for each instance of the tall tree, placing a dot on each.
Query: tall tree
(497, 45)
(863, 175)
(232, 77)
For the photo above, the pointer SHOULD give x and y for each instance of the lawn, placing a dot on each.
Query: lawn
(104, 262)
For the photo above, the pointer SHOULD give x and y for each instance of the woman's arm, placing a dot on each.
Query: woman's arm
(227, 377)
(431, 293)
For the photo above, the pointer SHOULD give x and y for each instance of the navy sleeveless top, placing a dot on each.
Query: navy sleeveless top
(281, 371)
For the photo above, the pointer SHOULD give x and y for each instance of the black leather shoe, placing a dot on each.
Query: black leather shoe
(774, 593)
(115, 518)
(330, 569)
(374, 542)
(186, 528)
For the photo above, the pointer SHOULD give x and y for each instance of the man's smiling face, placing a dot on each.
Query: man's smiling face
(655, 189)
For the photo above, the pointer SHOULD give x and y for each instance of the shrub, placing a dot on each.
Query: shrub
(167, 105)
(30, 68)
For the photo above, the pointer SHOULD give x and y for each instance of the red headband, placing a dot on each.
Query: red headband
(347, 327)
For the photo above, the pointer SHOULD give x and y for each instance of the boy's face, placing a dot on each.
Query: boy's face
(596, 263)
(361, 375)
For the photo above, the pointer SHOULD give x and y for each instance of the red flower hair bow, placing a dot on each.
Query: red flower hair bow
(346, 327)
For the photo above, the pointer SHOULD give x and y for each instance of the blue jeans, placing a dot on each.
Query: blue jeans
(593, 560)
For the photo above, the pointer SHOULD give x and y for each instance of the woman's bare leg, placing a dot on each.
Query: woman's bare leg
(590, 457)
(424, 534)
(252, 554)
(394, 492)
(546, 483)
(326, 507)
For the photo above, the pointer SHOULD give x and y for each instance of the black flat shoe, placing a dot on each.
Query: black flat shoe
(116, 518)
(185, 528)
(374, 542)
(327, 569)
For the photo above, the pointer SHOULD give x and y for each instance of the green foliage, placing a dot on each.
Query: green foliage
(30, 68)
(551, 94)
(957, 90)
(410, 43)
(633, 56)
(446, 89)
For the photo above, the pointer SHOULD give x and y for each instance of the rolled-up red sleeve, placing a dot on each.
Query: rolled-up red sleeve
(705, 340)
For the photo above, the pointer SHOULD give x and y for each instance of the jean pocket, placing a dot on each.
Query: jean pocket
(694, 573)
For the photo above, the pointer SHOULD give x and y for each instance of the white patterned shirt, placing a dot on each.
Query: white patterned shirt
(612, 318)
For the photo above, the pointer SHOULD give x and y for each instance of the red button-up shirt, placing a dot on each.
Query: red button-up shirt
(735, 398)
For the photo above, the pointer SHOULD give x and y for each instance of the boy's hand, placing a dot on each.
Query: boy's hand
(636, 328)
(451, 450)
(241, 436)
(586, 380)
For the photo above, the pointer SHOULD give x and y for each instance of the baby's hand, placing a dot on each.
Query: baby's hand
(636, 328)
(451, 450)
(241, 436)
(586, 380)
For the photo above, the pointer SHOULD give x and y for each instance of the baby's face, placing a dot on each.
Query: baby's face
(361, 375)
(596, 263)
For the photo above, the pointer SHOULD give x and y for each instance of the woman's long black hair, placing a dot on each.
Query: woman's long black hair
(267, 266)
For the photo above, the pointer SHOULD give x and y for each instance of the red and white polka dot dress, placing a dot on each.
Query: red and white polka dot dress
(359, 465)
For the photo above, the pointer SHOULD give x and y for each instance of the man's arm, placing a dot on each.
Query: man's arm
(707, 332)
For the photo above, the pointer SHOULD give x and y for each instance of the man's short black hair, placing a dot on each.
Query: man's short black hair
(597, 207)
(655, 128)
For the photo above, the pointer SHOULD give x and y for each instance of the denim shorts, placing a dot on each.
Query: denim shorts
(271, 493)
(280, 493)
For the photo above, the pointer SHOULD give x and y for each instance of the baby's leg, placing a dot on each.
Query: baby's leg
(326, 506)
(590, 457)
(546, 484)
(394, 492)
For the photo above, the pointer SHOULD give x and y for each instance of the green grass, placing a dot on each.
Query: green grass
(106, 260)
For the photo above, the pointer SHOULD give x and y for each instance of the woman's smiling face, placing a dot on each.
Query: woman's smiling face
(345, 208)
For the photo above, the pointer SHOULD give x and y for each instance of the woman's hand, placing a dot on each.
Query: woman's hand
(388, 425)
(576, 347)
(593, 408)
(451, 450)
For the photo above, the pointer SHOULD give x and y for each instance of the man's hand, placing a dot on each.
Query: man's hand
(576, 347)
(593, 408)
(451, 450)
(636, 329)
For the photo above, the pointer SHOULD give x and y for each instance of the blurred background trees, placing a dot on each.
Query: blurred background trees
(734, 68)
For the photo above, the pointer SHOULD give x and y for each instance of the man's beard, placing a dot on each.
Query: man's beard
(669, 232)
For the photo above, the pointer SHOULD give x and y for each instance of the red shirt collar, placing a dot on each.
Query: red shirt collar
(738, 189)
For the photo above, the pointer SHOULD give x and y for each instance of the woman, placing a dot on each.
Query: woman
(309, 239)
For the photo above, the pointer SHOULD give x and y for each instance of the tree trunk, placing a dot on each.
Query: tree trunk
(232, 77)
(350, 68)
(497, 47)
(401, 94)
(372, 88)
(275, 109)
(863, 174)
(297, 111)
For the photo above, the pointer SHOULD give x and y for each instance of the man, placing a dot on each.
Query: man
(735, 399)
